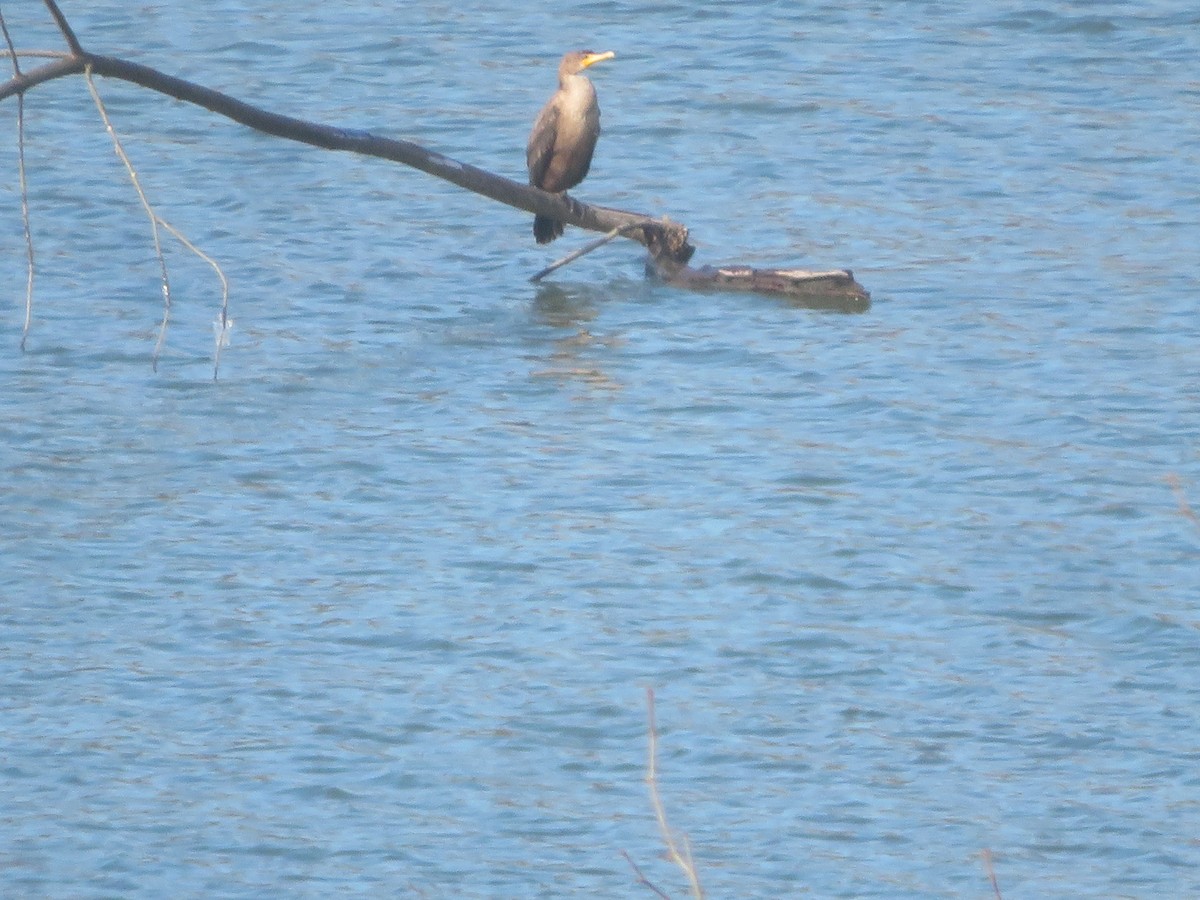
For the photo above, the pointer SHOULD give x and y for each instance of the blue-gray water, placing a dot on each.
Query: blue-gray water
(374, 614)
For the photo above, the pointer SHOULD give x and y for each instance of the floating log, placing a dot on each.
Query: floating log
(835, 289)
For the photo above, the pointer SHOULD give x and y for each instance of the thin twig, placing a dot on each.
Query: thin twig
(22, 179)
(23, 182)
(12, 49)
(154, 219)
(683, 860)
(586, 248)
(222, 325)
(40, 54)
(642, 879)
(63, 26)
(991, 872)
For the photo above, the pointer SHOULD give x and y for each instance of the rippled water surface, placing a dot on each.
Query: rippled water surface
(374, 613)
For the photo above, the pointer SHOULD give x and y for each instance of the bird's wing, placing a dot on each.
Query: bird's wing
(541, 144)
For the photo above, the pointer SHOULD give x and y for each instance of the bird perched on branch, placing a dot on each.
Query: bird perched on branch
(564, 136)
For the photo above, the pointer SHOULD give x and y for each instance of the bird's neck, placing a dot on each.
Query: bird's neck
(574, 82)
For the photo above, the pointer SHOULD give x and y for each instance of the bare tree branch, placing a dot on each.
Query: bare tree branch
(480, 181)
(667, 241)
(68, 33)
(583, 251)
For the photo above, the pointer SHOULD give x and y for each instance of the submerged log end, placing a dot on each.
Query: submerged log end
(668, 243)
(834, 289)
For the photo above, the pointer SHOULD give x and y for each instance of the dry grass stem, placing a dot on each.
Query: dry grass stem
(682, 859)
(67, 32)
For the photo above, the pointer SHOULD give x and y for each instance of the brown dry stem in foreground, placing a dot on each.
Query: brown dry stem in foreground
(679, 850)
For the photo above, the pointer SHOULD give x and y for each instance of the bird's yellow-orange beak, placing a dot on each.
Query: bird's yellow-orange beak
(593, 58)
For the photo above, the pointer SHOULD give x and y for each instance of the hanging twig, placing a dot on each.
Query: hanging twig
(24, 187)
(154, 219)
(223, 323)
(67, 32)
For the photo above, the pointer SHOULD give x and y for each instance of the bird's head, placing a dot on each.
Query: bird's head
(575, 62)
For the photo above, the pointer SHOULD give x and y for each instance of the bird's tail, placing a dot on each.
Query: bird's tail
(546, 229)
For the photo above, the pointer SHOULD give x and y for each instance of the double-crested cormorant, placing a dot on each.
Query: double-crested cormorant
(564, 135)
